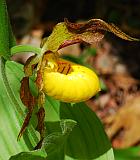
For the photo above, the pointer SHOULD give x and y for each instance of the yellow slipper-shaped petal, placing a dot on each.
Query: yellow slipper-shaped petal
(70, 82)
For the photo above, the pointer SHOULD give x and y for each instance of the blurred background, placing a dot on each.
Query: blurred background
(116, 61)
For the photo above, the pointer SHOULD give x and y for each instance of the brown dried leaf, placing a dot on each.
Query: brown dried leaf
(127, 118)
(124, 81)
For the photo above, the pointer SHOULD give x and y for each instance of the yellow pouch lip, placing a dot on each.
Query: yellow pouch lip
(73, 87)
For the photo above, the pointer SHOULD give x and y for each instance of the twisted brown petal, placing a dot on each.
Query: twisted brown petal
(29, 101)
(96, 25)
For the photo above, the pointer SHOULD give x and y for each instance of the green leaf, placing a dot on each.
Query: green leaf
(53, 144)
(12, 113)
(7, 39)
(107, 156)
(103, 85)
(131, 153)
(33, 155)
(86, 141)
(89, 51)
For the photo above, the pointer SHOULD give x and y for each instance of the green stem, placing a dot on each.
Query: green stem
(25, 48)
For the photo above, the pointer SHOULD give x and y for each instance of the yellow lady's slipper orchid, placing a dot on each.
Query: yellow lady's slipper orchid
(69, 82)
(58, 78)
